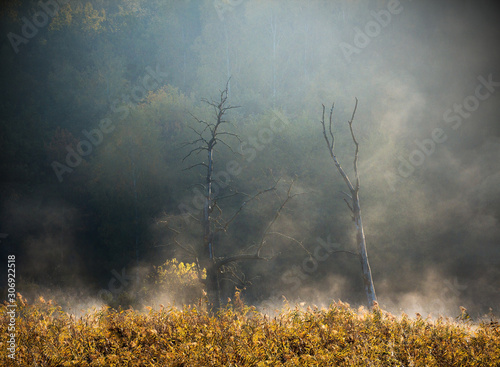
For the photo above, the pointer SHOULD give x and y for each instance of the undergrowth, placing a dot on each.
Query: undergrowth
(45, 335)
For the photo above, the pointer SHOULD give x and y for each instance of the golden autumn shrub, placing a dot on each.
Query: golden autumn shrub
(241, 336)
(177, 282)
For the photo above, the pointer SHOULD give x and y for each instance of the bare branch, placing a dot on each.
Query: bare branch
(276, 216)
(357, 146)
(231, 195)
(344, 251)
(235, 215)
(257, 255)
(324, 128)
(346, 194)
(224, 143)
(330, 128)
(193, 142)
(195, 165)
(166, 223)
(241, 257)
(195, 150)
(349, 205)
(216, 206)
(201, 122)
(231, 134)
(292, 239)
(329, 144)
(190, 251)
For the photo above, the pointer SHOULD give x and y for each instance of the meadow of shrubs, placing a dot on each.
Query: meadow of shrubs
(239, 335)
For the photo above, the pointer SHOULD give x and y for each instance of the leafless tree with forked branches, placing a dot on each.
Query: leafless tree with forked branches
(207, 136)
(352, 200)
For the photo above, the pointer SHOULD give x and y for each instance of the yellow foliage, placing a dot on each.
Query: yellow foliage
(240, 336)
(90, 20)
(178, 281)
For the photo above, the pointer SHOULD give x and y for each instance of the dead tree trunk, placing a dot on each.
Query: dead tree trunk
(212, 281)
(208, 136)
(352, 202)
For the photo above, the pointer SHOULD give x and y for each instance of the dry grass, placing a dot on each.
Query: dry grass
(240, 336)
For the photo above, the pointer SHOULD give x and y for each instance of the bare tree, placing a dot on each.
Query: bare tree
(352, 201)
(208, 135)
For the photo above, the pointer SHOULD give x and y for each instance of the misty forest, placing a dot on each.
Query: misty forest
(251, 155)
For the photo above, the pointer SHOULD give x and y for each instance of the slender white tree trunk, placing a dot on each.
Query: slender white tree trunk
(363, 254)
(353, 202)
